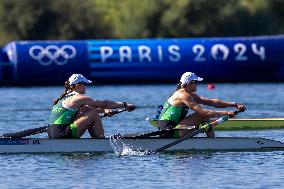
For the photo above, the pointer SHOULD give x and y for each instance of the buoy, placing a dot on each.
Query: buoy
(211, 86)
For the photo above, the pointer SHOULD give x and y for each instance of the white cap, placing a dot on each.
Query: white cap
(188, 77)
(78, 78)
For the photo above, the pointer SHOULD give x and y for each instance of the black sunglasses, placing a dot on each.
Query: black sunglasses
(83, 83)
(195, 82)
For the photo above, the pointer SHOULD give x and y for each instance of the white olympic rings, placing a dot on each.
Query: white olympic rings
(52, 53)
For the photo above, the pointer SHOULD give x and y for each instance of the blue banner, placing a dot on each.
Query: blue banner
(46, 62)
(221, 59)
(236, 59)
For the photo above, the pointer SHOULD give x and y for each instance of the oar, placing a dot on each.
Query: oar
(42, 129)
(152, 133)
(25, 133)
(202, 129)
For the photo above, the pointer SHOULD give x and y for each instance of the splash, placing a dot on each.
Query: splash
(122, 149)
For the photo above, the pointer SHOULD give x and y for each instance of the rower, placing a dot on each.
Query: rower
(73, 112)
(184, 100)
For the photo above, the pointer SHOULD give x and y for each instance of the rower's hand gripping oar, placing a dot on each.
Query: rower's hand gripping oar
(202, 129)
(43, 129)
(112, 113)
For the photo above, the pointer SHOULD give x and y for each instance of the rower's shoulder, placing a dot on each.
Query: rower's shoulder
(181, 96)
(80, 97)
(184, 94)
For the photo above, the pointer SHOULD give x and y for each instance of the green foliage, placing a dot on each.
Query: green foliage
(79, 19)
(128, 18)
(98, 19)
(20, 19)
(53, 19)
(189, 18)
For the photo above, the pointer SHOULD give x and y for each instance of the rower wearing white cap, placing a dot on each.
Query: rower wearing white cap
(175, 110)
(73, 112)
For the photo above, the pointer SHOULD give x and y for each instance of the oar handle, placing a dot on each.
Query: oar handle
(238, 111)
(113, 113)
(220, 120)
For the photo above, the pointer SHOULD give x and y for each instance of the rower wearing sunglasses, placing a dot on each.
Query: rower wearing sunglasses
(183, 109)
(73, 112)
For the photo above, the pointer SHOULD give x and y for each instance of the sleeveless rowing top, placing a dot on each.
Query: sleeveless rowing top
(62, 115)
(173, 113)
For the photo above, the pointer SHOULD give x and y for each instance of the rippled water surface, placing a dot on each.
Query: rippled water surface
(23, 108)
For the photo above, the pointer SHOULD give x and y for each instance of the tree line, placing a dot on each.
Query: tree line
(125, 19)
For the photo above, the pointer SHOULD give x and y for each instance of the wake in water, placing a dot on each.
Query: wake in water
(122, 149)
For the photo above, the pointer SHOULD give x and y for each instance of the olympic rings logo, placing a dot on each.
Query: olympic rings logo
(52, 53)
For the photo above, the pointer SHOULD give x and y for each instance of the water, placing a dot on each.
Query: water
(23, 108)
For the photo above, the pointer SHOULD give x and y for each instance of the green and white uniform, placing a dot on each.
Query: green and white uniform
(173, 113)
(170, 117)
(62, 117)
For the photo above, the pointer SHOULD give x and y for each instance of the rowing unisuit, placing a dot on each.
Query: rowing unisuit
(171, 115)
(61, 120)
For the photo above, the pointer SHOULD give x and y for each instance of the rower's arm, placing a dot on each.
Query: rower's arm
(100, 110)
(217, 103)
(104, 104)
(209, 113)
(193, 104)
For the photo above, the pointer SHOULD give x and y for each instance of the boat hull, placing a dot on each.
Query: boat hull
(44, 145)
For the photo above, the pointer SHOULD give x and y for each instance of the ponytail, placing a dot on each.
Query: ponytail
(180, 85)
(68, 88)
